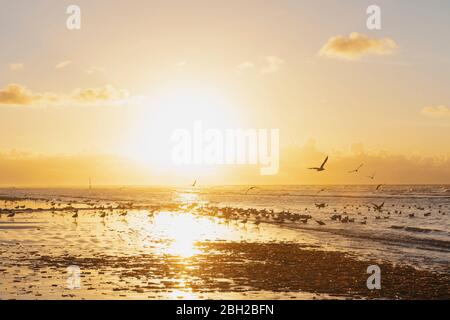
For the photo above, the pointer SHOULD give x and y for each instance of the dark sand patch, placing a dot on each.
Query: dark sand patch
(276, 267)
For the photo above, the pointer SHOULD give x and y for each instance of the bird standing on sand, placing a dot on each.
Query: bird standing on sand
(75, 215)
(124, 213)
(357, 169)
(321, 168)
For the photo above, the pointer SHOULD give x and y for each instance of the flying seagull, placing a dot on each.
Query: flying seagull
(251, 188)
(378, 207)
(372, 176)
(357, 169)
(322, 167)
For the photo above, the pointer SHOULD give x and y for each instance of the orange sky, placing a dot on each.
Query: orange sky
(103, 101)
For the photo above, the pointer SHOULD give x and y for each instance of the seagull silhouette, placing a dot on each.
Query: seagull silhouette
(357, 169)
(378, 187)
(251, 188)
(372, 176)
(378, 207)
(321, 168)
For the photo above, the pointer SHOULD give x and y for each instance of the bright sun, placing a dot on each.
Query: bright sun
(175, 109)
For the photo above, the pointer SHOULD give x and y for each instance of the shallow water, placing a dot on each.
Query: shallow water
(43, 234)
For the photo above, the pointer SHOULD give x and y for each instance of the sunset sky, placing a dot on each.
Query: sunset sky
(102, 101)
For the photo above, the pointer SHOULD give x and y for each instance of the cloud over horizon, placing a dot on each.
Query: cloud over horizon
(436, 111)
(16, 94)
(355, 46)
(22, 168)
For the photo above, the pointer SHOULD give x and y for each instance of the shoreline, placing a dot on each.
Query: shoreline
(238, 268)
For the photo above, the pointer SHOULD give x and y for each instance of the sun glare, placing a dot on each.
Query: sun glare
(168, 111)
(183, 231)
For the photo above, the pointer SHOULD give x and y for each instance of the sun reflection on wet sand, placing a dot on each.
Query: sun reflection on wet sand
(186, 197)
(183, 230)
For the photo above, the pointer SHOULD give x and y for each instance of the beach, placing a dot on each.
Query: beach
(282, 242)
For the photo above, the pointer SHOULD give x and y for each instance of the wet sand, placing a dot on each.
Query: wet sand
(187, 251)
(273, 267)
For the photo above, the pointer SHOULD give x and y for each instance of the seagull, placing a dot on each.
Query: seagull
(372, 176)
(378, 187)
(322, 167)
(321, 190)
(320, 205)
(12, 214)
(357, 169)
(195, 182)
(251, 188)
(124, 213)
(320, 222)
(75, 215)
(378, 207)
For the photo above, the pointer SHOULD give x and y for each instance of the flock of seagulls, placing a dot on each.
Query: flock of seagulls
(322, 168)
(228, 214)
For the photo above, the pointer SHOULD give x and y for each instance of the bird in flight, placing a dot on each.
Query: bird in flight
(195, 183)
(378, 207)
(372, 176)
(357, 169)
(322, 167)
(251, 188)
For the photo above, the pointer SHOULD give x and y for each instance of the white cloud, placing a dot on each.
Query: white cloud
(15, 94)
(355, 46)
(16, 66)
(436, 111)
(271, 64)
(266, 65)
(63, 64)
